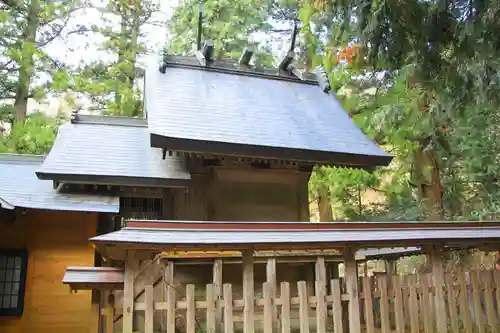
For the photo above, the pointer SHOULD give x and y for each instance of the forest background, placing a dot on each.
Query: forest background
(421, 78)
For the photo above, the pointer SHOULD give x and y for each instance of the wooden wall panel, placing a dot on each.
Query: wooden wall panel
(54, 241)
(258, 195)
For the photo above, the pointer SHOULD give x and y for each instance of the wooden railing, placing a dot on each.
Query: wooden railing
(404, 304)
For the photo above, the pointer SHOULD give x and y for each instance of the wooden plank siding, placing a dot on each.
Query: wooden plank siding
(234, 194)
(54, 240)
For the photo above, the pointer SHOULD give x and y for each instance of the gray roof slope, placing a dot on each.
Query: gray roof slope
(203, 105)
(110, 153)
(19, 187)
(259, 238)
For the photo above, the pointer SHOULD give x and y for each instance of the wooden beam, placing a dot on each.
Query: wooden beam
(248, 292)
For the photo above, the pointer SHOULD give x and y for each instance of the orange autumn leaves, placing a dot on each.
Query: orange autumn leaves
(344, 55)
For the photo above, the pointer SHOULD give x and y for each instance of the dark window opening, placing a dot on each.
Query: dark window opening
(141, 208)
(13, 264)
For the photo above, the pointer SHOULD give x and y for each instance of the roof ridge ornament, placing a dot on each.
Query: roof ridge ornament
(322, 78)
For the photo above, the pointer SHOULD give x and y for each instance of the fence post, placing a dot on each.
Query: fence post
(438, 274)
(351, 277)
(128, 292)
(248, 292)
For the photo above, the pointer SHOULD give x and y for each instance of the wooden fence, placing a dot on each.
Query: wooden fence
(397, 303)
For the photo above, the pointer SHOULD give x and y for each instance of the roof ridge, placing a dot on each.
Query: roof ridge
(108, 120)
(21, 158)
(190, 62)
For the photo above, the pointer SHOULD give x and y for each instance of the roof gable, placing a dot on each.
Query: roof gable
(210, 111)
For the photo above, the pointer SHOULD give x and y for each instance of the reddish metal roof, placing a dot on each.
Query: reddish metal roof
(83, 278)
(231, 225)
(262, 236)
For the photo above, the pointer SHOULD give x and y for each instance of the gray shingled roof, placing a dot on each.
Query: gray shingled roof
(195, 105)
(19, 187)
(110, 153)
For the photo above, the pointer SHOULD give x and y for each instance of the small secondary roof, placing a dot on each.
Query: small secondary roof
(111, 151)
(211, 110)
(19, 187)
(88, 278)
(269, 235)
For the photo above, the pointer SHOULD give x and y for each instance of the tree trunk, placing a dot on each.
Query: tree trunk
(427, 178)
(26, 63)
(325, 208)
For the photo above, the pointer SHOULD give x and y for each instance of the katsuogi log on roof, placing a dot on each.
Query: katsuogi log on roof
(230, 110)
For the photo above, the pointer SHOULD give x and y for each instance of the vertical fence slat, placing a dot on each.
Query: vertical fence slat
(248, 292)
(368, 299)
(211, 315)
(336, 306)
(285, 307)
(464, 303)
(384, 304)
(398, 305)
(149, 310)
(351, 280)
(476, 300)
(271, 278)
(487, 279)
(452, 304)
(303, 307)
(228, 308)
(190, 309)
(128, 292)
(268, 307)
(170, 308)
(496, 276)
(426, 308)
(217, 289)
(321, 308)
(413, 304)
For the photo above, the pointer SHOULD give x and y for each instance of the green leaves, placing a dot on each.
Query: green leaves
(34, 136)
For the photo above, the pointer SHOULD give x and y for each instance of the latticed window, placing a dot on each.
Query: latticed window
(141, 208)
(13, 265)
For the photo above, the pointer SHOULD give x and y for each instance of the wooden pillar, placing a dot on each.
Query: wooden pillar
(128, 292)
(390, 270)
(168, 277)
(95, 312)
(351, 278)
(110, 304)
(217, 281)
(271, 279)
(248, 292)
(438, 276)
(320, 270)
